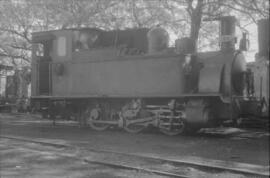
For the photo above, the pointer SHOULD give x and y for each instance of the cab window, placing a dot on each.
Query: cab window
(85, 39)
(61, 46)
(39, 50)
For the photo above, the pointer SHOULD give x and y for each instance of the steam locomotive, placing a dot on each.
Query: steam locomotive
(132, 79)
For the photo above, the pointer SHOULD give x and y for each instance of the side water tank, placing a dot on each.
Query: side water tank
(158, 40)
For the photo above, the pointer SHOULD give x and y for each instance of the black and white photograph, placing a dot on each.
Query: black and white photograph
(134, 89)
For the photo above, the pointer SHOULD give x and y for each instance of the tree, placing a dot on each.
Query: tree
(19, 18)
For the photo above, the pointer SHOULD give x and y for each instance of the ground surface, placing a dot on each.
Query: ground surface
(26, 160)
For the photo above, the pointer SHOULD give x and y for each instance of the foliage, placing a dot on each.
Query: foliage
(19, 18)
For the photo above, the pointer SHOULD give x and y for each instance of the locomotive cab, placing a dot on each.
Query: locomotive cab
(48, 48)
(41, 56)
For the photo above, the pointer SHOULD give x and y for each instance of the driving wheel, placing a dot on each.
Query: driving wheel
(95, 119)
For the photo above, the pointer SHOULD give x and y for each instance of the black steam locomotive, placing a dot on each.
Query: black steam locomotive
(132, 79)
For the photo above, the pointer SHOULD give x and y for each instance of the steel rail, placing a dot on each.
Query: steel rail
(202, 166)
(122, 166)
(105, 163)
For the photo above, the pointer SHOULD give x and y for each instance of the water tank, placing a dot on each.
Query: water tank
(158, 40)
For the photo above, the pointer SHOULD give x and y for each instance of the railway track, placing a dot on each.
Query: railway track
(153, 164)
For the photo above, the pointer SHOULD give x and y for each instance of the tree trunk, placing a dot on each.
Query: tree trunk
(196, 19)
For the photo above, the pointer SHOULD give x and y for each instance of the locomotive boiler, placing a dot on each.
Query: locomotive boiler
(132, 79)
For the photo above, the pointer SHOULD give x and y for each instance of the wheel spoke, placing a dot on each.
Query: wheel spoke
(172, 124)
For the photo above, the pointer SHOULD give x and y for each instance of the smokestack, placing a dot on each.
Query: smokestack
(227, 33)
(263, 37)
